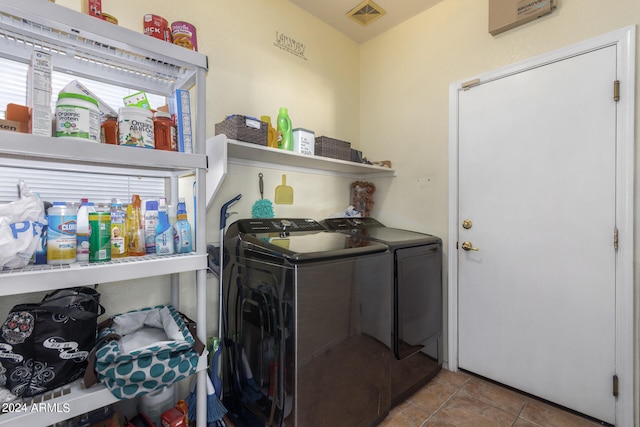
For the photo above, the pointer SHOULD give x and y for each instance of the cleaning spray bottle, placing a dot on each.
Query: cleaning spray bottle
(136, 227)
(285, 133)
(182, 230)
(164, 233)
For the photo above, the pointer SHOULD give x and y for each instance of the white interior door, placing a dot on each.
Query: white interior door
(537, 181)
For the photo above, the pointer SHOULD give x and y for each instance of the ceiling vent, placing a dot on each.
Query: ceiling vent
(366, 12)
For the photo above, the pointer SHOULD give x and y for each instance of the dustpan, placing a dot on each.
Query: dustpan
(284, 193)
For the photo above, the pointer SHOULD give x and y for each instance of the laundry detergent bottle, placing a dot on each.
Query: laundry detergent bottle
(182, 230)
(164, 232)
(285, 133)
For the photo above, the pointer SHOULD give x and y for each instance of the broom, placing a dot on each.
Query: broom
(215, 408)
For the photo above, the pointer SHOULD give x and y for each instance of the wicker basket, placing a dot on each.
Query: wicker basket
(235, 127)
(334, 148)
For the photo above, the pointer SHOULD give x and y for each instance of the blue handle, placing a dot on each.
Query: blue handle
(223, 211)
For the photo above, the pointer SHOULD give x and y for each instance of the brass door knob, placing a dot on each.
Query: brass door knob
(467, 224)
(468, 246)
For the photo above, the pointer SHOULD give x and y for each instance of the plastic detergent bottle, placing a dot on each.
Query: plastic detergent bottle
(136, 228)
(164, 234)
(61, 234)
(83, 232)
(182, 230)
(285, 133)
(118, 230)
(272, 137)
(150, 224)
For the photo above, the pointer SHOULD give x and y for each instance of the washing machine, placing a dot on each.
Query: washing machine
(417, 300)
(307, 321)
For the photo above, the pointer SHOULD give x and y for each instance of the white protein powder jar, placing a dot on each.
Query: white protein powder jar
(77, 116)
(135, 127)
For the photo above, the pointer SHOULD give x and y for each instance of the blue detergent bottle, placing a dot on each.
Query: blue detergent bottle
(182, 230)
(164, 234)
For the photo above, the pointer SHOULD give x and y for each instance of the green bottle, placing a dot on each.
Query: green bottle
(285, 134)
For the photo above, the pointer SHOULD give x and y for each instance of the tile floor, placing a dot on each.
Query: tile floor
(457, 399)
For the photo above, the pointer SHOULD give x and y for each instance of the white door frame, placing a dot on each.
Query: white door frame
(624, 40)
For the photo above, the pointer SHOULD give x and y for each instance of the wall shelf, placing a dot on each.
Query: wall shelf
(222, 151)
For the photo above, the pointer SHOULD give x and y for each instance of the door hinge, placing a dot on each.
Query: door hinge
(615, 386)
(471, 83)
(616, 90)
(615, 238)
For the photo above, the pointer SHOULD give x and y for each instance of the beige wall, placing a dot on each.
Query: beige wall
(249, 75)
(405, 76)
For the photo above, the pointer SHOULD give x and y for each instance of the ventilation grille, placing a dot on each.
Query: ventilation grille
(366, 12)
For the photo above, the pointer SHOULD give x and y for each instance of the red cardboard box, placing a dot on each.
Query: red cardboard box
(173, 418)
(92, 7)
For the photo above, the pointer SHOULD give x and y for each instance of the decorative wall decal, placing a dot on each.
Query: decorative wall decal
(290, 45)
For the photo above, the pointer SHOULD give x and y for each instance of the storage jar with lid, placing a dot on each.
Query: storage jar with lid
(77, 116)
(135, 127)
(165, 131)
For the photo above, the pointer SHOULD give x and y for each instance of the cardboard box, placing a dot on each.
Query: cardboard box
(92, 7)
(18, 114)
(138, 99)
(76, 87)
(304, 141)
(39, 93)
(12, 126)
(180, 109)
(507, 14)
(173, 418)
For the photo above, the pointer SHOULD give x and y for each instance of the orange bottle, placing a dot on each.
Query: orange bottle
(136, 228)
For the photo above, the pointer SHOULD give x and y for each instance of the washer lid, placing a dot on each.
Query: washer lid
(311, 246)
(397, 236)
(301, 240)
(371, 228)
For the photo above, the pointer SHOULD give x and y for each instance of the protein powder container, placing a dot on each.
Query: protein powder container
(61, 234)
(77, 116)
(135, 127)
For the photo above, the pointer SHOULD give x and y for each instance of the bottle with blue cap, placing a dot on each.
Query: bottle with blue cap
(182, 230)
(164, 233)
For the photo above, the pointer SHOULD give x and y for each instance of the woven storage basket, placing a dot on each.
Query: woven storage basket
(334, 148)
(235, 127)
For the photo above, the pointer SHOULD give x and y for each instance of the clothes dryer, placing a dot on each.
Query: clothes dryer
(417, 300)
(307, 325)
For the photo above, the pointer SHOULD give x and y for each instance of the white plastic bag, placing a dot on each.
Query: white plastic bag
(21, 224)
